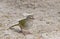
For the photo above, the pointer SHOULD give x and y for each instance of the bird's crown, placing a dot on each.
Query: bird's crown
(30, 17)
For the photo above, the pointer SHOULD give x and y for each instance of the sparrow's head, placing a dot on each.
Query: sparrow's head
(30, 17)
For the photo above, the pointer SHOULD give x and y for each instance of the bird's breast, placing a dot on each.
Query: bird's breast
(28, 24)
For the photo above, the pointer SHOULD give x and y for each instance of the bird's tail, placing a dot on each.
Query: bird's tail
(13, 26)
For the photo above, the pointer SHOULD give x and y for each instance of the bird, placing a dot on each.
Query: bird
(25, 24)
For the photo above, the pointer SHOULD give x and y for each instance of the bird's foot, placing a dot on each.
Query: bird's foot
(26, 32)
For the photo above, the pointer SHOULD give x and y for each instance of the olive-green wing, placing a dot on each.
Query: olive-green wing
(22, 22)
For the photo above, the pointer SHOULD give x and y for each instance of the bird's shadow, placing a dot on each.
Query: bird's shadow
(16, 30)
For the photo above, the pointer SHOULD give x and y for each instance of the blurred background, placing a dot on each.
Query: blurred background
(47, 18)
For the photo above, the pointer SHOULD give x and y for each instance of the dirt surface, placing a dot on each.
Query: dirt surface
(45, 26)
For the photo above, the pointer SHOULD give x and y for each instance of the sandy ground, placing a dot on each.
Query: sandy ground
(46, 23)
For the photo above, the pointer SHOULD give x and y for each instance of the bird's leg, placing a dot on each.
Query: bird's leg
(25, 32)
(22, 30)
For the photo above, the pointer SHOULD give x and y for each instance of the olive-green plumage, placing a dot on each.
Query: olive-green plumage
(22, 23)
(25, 24)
